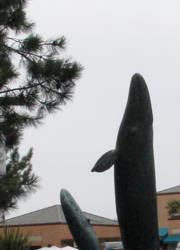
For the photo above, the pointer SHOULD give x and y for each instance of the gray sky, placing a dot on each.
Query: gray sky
(112, 40)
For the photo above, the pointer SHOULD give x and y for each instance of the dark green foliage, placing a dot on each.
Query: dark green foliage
(35, 79)
(13, 240)
(173, 207)
(19, 180)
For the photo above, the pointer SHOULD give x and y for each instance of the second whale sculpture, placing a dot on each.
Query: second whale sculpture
(134, 174)
(79, 225)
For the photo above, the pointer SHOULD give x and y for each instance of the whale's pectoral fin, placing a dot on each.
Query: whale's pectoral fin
(105, 161)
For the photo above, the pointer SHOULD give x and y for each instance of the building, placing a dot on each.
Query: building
(170, 223)
(48, 226)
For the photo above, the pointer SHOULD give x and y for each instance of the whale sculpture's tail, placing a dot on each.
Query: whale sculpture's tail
(79, 226)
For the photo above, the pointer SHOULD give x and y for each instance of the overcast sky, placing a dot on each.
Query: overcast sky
(112, 40)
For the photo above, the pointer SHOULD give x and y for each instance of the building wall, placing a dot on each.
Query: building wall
(107, 231)
(174, 226)
(59, 234)
(42, 235)
(162, 200)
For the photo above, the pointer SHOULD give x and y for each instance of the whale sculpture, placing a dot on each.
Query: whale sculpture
(134, 174)
(79, 226)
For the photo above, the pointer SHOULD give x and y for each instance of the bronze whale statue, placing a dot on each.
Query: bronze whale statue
(79, 225)
(134, 174)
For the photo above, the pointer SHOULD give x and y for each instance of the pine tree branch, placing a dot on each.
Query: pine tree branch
(18, 52)
(50, 89)
(13, 39)
(24, 53)
(22, 88)
(51, 43)
(2, 29)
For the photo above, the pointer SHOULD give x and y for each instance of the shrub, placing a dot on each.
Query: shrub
(13, 240)
(173, 207)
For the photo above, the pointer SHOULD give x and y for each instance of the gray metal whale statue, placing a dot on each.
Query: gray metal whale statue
(134, 174)
(79, 226)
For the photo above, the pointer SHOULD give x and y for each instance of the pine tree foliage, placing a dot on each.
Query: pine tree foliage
(19, 180)
(48, 78)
